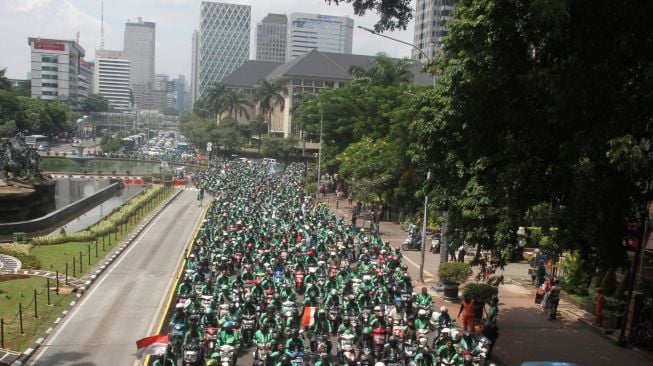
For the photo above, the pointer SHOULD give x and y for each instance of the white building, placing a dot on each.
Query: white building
(194, 66)
(325, 33)
(86, 69)
(139, 49)
(55, 70)
(272, 38)
(111, 78)
(431, 18)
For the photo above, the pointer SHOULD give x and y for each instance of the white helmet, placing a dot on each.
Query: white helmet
(443, 309)
(421, 312)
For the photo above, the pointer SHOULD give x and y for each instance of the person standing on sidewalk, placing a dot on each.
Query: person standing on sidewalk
(598, 309)
(554, 300)
(467, 311)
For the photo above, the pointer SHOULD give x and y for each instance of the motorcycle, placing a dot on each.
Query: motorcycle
(177, 337)
(192, 355)
(379, 336)
(346, 348)
(480, 354)
(413, 242)
(297, 358)
(227, 355)
(410, 351)
(261, 354)
(435, 245)
(210, 337)
(299, 281)
(248, 328)
(366, 357)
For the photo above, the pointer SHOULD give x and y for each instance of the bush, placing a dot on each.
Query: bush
(20, 237)
(454, 273)
(482, 292)
(29, 261)
(576, 275)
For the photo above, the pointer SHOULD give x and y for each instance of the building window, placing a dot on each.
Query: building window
(51, 85)
(46, 76)
(51, 93)
(54, 59)
(50, 68)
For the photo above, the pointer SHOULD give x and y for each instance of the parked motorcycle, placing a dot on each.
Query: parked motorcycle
(413, 242)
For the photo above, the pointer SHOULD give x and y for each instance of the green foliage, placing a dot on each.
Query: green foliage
(110, 143)
(383, 71)
(95, 103)
(28, 261)
(576, 275)
(454, 272)
(5, 84)
(23, 89)
(19, 237)
(394, 14)
(277, 147)
(268, 95)
(482, 292)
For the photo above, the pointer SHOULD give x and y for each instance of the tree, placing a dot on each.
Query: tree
(110, 144)
(95, 103)
(278, 147)
(268, 95)
(228, 134)
(5, 84)
(235, 103)
(384, 71)
(214, 101)
(395, 14)
(23, 89)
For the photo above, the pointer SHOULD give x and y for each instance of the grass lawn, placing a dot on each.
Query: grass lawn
(55, 257)
(15, 290)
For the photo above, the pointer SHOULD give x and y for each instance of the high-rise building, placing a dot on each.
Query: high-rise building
(180, 93)
(86, 69)
(326, 33)
(194, 67)
(272, 38)
(431, 18)
(223, 42)
(55, 70)
(139, 48)
(111, 78)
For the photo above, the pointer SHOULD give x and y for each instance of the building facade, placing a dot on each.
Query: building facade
(139, 49)
(55, 70)
(222, 43)
(272, 38)
(86, 69)
(194, 66)
(179, 85)
(111, 79)
(325, 33)
(431, 18)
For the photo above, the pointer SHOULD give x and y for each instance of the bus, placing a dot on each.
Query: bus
(182, 146)
(38, 142)
(128, 145)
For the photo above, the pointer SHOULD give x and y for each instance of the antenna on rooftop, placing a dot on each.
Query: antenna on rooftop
(102, 27)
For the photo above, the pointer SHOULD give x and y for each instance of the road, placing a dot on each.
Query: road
(126, 303)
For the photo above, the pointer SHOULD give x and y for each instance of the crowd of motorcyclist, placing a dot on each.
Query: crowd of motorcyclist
(274, 273)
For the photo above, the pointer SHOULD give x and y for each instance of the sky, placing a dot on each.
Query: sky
(175, 21)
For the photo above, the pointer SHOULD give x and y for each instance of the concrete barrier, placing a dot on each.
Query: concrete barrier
(49, 222)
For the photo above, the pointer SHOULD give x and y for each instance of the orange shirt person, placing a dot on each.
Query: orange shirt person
(467, 311)
(598, 309)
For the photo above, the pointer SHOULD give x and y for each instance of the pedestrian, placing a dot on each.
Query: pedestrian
(541, 272)
(467, 311)
(598, 309)
(554, 300)
(491, 329)
(461, 253)
(350, 197)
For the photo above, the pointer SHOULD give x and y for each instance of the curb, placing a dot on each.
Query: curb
(90, 279)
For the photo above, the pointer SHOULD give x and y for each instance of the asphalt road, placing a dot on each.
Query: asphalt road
(126, 303)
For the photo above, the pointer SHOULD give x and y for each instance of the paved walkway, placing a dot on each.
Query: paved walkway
(9, 263)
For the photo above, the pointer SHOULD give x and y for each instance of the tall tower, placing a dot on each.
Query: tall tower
(139, 45)
(272, 38)
(431, 18)
(327, 33)
(223, 42)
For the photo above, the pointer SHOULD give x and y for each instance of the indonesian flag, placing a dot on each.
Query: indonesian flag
(309, 316)
(152, 345)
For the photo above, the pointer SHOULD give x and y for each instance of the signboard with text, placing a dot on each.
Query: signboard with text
(49, 46)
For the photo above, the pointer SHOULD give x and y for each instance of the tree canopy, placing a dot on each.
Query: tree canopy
(394, 14)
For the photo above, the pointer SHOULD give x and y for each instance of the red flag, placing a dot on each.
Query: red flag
(152, 345)
(309, 316)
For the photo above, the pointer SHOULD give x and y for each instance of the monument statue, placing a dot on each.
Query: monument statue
(19, 162)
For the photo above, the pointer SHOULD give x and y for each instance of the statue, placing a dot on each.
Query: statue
(18, 162)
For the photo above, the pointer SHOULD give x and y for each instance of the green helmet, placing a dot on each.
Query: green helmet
(212, 362)
(367, 330)
(208, 311)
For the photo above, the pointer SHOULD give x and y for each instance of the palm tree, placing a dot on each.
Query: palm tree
(214, 99)
(5, 84)
(235, 102)
(268, 95)
(383, 70)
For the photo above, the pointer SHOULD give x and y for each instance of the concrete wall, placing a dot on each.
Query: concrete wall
(49, 223)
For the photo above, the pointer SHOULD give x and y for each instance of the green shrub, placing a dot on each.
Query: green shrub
(576, 275)
(482, 292)
(20, 237)
(29, 261)
(453, 273)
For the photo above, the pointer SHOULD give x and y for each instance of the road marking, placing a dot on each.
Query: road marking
(54, 336)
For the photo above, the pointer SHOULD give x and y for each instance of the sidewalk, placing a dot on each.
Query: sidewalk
(525, 332)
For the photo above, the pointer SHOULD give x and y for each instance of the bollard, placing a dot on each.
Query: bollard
(81, 264)
(20, 316)
(36, 309)
(57, 284)
(74, 264)
(89, 255)
(47, 289)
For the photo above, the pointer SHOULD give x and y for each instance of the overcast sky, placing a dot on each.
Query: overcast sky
(175, 21)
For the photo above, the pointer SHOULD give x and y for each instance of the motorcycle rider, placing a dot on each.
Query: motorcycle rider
(449, 353)
(398, 310)
(422, 321)
(208, 319)
(424, 358)
(323, 361)
(467, 342)
(378, 321)
(346, 327)
(194, 334)
(294, 344)
(263, 336)
(424, 299)
(229, 337)
(323, 327)
(392, 349)
(444, 321)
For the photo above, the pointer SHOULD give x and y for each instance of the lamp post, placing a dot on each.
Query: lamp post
(428, 59)
(209, 148)
(426, 202)
(319, 154)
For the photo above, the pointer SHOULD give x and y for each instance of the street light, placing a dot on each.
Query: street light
(426, 202)
(319, 154)
(209, 148)
(428, 59)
